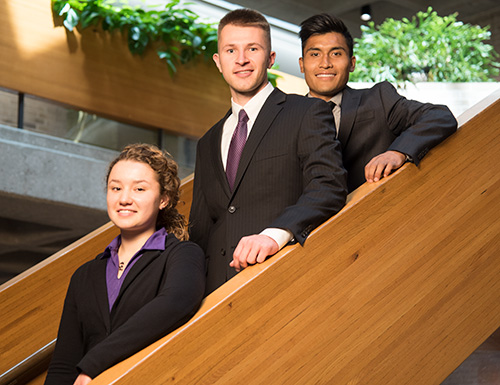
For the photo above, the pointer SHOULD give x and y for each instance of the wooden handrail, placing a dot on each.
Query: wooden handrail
(28, 360)
(391, 275)
(398, 288)
(29, 368)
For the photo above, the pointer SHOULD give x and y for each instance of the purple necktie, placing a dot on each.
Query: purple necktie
(236, 148)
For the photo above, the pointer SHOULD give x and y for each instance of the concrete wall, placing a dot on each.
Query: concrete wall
(459, 97)
(52, 169)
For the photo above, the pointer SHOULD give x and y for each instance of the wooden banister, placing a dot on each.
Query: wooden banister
(32, 301)
(398, 288)
(30, 368)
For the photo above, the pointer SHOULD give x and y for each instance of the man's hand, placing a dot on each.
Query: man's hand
(82, 379)
(253, 249)
(382, 165)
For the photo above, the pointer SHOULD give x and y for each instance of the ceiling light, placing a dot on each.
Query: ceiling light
(366, 13)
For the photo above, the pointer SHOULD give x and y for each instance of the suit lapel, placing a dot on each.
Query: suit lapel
(349, 107)
(215, 146)
(139, 266)
(100, 286)
(267, 114)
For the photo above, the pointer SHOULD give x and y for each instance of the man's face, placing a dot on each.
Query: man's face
(243, 59)
(326, 64)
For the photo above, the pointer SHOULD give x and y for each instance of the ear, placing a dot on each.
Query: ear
(216, 59)
(353, 64)
(301, 64)
(272, 58)
(163, 203)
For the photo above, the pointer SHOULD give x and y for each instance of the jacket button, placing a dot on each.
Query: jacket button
(223, 252)
(231, 209)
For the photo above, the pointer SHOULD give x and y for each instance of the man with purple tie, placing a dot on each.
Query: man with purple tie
(271, 170)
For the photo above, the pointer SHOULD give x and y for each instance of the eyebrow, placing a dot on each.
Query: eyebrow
(232, 45)
(331, 49)
(134, 181)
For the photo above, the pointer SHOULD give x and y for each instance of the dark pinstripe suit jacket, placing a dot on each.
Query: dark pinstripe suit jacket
(290, 176)
(379, 119)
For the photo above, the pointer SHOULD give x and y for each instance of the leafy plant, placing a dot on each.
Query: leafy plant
(273, 76)
(428, 46)
(179, 34)
(182, 36)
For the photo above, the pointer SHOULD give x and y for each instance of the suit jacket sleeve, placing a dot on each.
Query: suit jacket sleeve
(70, 346)
(418, 126)
(177, 300)
(323, 176)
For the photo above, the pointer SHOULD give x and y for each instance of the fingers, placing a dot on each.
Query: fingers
(82, 379)
(373, 170)
(382, 165)
(253, 249)
(243, 254)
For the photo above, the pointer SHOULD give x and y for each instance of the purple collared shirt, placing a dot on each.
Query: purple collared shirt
(113, 283)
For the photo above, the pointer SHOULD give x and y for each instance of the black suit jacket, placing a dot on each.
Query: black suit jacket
(379, 119)
(290, 176)
(161, 291)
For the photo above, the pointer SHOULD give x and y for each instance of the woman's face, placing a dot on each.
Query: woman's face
(133, 197)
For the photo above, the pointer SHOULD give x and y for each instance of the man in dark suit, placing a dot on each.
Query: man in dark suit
(287, 179)
(378, 128)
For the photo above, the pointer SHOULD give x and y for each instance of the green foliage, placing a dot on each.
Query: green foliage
(179, 34)
(435, 48)
(273, 76)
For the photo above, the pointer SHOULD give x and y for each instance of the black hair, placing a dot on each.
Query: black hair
(321, 24)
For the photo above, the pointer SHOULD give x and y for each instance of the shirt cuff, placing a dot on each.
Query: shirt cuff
(280, 236)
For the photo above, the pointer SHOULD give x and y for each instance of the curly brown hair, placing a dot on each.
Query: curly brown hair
(166, 168)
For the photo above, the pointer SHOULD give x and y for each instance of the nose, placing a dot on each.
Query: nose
(242, 58)
(125, 198)
(325, 62)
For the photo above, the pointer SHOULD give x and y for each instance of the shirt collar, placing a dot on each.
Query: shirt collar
(254, 105)
(337, 98)
(154, 242)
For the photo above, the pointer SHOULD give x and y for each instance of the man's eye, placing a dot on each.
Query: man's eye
(230, 50)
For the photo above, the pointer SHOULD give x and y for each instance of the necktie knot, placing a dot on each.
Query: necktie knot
(332, 105)
(242, 117)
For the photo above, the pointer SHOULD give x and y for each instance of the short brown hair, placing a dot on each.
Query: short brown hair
(245, 17)
(166, 169)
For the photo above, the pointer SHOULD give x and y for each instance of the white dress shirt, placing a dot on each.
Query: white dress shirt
(252, 108)
(337, 99)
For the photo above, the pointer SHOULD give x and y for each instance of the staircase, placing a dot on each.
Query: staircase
(398, 288)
